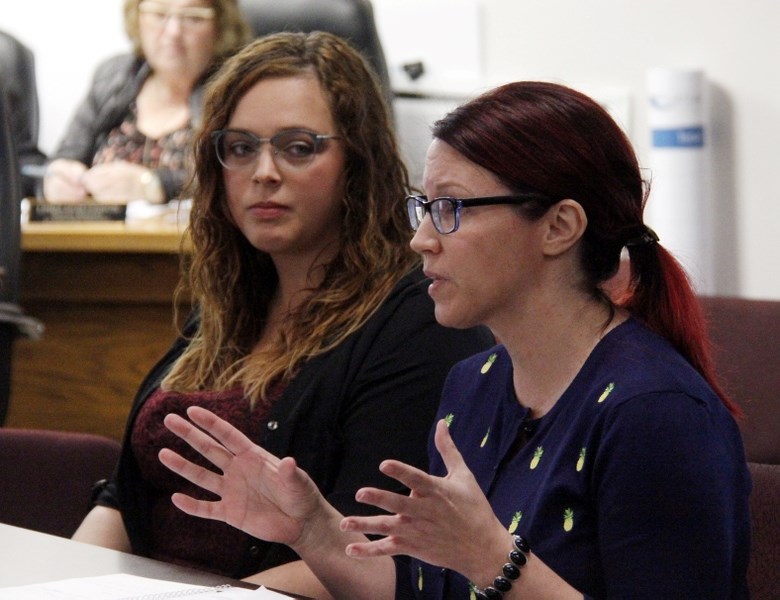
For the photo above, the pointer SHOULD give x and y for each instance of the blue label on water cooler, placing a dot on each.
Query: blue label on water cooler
(682, 137)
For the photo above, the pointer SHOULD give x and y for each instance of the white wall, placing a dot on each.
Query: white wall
(68, 39)
(603, 47)
(595, 43)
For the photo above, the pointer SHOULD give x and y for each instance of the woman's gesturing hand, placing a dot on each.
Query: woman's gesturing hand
(445, 521)
(267, 497)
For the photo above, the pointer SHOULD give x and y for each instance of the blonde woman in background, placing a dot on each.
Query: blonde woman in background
(130, 138)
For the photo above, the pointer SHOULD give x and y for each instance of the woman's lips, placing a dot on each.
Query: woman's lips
(437, 282)
(267, 210)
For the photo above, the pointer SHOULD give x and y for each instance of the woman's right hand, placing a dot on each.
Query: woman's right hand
(63, 181)
(267, 497)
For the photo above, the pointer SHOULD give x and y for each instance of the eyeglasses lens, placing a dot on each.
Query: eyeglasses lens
(190, 16)
(444, 216)
(294, 148)
(416, 211)
(443, 213)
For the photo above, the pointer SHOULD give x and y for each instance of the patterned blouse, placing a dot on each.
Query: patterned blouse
(126, 142)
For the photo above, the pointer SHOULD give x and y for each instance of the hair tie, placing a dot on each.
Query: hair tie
(646, 237)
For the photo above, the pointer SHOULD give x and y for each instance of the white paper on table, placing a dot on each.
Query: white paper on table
(122, 586)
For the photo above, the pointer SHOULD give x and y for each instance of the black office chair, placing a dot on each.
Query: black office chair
(9, 252)
(17, 81)
(12, 320)
(352, 20)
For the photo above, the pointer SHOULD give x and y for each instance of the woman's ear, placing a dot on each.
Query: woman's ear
(566, 223)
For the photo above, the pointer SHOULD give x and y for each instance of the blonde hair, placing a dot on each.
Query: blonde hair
(233, 30)
(232, 283)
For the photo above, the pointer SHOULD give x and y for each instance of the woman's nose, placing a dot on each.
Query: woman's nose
(266, 168)
(173, 24)
(426, 238)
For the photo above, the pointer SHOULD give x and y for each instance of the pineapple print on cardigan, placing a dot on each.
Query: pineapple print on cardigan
(536, 458)
(515, 521)
(568, 520)
(581, 459)
(488, 363)
(607, 391)
(485, 368)
(485, 439)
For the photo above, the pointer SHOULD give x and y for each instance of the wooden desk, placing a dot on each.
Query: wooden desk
(104, 292)
(145, 237)
(28, 557)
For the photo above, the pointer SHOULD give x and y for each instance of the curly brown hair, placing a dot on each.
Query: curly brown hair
(232, 283)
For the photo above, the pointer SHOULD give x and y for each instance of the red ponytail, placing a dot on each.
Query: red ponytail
(661, 295)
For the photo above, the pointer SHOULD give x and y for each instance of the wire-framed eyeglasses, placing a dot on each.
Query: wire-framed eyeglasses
(445, 211)
(189, 16)
(295, 148)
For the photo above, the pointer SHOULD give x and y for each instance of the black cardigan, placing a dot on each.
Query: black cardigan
(114, 88)
(371, 398)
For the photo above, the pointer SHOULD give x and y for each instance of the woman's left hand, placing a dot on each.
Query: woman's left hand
(445, 521)
(121, 181)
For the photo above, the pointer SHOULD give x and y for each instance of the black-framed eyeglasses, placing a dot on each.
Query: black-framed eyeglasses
(445, 211)
(296, 148)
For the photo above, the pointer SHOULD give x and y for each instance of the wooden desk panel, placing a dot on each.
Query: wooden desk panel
(108, 316)
(130, 277)
(110, 236)
(82, 375)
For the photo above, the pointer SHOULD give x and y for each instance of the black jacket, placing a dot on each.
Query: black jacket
(115, 86)
(371, 398)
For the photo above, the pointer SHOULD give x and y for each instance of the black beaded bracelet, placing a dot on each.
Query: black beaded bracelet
(518, 557)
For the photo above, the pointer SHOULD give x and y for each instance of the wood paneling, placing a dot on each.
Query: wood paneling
(108, 318)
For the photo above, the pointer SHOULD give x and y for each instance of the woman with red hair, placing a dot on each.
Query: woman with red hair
(590, 454)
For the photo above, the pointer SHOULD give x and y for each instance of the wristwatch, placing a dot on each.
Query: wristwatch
(152, 187)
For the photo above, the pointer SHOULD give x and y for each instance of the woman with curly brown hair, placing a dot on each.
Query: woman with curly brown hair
(312, 333)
